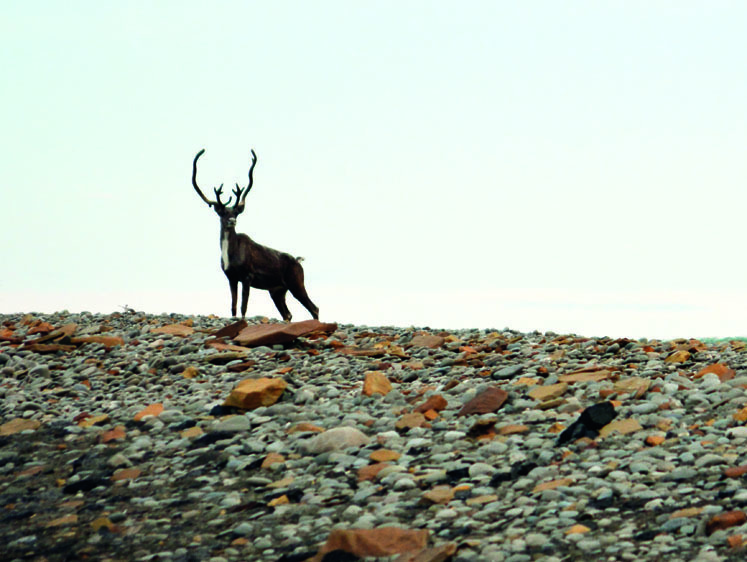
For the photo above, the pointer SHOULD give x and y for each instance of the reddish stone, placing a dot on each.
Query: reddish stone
(486, 402)
(411, 420)
(272, 458)
(376, 382)
(735, 471)
(253, 393)
(435, 402)
(440, 553)
(116, 433)
(230, 331)
(725, 520)
(18, 424)
(41, 328)
(180, 330)
(383, 541)
(271, 334)
(106, 341)
(723, 372)
(427, 340)
(370, 471)
(126, 474)
(151, 410)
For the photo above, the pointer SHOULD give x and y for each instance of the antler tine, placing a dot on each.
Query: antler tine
(218, 192)
(251, 179)
(194, 179)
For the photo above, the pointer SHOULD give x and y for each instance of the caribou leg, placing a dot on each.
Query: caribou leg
(278, 297)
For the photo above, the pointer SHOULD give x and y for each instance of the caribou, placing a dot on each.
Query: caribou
(253, 265)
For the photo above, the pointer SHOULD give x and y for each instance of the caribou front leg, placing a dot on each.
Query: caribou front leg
(245, 285)
(234, 284)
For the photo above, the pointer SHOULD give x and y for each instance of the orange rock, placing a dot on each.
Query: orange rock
(623, 427)
(32, 471)
(552, 485)
(253, 393)
(577, 529)
(40, 328)
(735, 471)
(438, 495)
(64, 520)
(151, 410)
(116, 433)
(271, 334)
(735, 541)
(680, 356)
(725, 520)
(18, 424)
(557, 427)
(190, 432)
(654, 440)
(379, 542)
(513, 429)
(441, 553)
(102, 522)
(741, 415)
(488, 401)
(723, 372)
(384, 455)
(586, 376)
(305, 426)
(526, 381)
(370, 471)
(548, 392)
(430, 415)
(664, 424)
(435, 402)
(126, 474)
(282, 500)
(427, 340)
(687, 512)
(190, 372)
(106, 341)
(90, 421)
(411, 420)
(376, 382)
(175, 330)
(272, 458)
(606, 392)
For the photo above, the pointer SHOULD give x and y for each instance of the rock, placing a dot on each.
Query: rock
(383, 541)
(623, 427)
(174, 330)
(508, 372)
(410, 421)
(427, 340)
(725, 520)
(435, 402)
(488, 401)
(376, 382)
(335, 439)
(272, 334)
(250, 394)
(723, 372)
(150, 410)
(589, 423)
(384, 455)
(18, 424)
(548, 392)
(230, 331)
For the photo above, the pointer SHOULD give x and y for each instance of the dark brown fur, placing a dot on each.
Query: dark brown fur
(252, 264)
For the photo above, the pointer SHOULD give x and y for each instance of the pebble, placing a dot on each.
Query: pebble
(242, 485)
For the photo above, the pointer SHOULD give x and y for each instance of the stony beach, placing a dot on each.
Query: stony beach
(164, 437)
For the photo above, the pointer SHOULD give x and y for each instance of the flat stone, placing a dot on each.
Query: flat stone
(488, 401)
(18, 424)
(272, 334)
(548, 392)
(376, 382)
(254, 393)
(379, 542)
(336, 439)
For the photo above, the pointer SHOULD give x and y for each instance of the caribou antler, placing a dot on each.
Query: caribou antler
(244, 191)
(194, 180)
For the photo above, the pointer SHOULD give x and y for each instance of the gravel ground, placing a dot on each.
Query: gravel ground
(115, 443)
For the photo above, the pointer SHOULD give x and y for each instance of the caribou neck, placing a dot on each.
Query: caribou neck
(227, 242)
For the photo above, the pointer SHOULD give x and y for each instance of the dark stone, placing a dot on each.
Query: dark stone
(588, 424)
(646, 536)
(86, 485)
(210, 438)
(339, 556)
(454, 476)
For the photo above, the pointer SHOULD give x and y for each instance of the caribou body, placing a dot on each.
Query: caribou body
(253, 265)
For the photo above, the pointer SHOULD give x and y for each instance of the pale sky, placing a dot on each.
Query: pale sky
(568, 166)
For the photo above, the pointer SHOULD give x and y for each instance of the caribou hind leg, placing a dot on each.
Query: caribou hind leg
(278, 297)
(298, 290)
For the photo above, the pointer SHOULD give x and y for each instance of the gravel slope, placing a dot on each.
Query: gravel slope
(87, 473)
